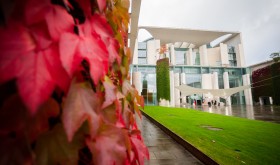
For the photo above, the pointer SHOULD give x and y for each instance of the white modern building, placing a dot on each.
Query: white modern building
(198, 58)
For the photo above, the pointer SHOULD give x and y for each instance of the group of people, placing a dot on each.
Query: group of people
(213, 102)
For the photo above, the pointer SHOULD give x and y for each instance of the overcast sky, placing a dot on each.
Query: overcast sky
(257, 20)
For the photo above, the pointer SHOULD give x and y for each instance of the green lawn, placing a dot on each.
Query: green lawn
(241, 141)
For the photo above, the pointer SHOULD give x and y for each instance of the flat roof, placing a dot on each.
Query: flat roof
(196, 37)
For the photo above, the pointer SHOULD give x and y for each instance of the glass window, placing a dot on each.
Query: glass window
(142, 60)
(142, 45)
(180, 57)
(149, 88)
(194, 80)
(192, 70)
(142, 53)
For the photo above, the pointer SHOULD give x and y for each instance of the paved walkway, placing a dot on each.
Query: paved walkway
(163, 149)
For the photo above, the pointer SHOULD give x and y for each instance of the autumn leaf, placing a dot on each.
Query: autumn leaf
(15, 150)
(53, 148)
(140, 150)
(30, 58)
(14, 117)
(81, 105)
(109, 146)
(56, 17)
(110, 92)
(101, 4)
(73, 49)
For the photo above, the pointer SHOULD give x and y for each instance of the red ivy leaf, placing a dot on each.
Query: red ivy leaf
(110, 92)
(101, 4)
(86, 46)
(109, 146)
(140, 150)
(80, 105)
(34, 66)
(102, 27)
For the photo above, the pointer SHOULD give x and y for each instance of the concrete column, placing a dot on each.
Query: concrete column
(261, 101)
(172, 55)
(206, 80)
(240, 55)
(167, 54)
(270, 100)
(189, 57)
(183, 82)
(172, 103)
(203, 55)
(215, 83)
(152, 51)
(224, 54)
(226, 86)
(136, 81)
(176, 91)
(247, 92)
(135, 54)
(206, 83)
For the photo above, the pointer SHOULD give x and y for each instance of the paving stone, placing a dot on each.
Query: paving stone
(163, 149)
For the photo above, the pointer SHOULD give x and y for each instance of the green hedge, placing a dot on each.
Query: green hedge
(163, 79)
(275, 72)
(266, 82)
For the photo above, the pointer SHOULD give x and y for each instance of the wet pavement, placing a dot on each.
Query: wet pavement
(265, 113)
(162, 148)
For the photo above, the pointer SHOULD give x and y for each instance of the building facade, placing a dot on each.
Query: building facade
(198, 58)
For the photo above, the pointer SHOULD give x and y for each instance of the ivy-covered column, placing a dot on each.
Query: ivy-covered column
(163, 80)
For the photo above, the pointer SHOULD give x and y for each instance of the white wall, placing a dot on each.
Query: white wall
(214, 55)
(226, 86)
(206, 80)
(176, 91)
(203, 55)
(240, 55)
(189, 57)
(183, 82)
(172, 103)
(136, 81)
(135, 55)
(172, 55)
(247, 92)
(224, 54)
(152, 51)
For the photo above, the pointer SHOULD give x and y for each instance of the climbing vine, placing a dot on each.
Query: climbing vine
(65, 91)
(163, 79)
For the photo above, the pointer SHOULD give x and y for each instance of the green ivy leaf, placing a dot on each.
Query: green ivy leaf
(53, 148)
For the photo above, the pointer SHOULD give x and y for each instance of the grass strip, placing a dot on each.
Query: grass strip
(226, 139)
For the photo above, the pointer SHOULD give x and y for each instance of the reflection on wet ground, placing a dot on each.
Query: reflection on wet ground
(265, 113)
(162, 148)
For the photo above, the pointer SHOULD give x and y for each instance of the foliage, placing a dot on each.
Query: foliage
(259, 144)
(262, 83)
(275, 70)
(275, 56)
(163, 79)
(162, 50)
(65, 93)
(266, 83)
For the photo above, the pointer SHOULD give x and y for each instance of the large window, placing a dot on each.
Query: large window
(149, 88)
(232, 56)
(180, 57)
(193, 80)
(142, 53)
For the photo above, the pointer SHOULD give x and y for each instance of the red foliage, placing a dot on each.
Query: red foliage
(44, 46)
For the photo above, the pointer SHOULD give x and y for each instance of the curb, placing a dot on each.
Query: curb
(197, 153)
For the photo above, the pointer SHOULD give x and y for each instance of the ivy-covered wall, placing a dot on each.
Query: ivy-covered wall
(275, 70)
(163, 79)
(266, 82)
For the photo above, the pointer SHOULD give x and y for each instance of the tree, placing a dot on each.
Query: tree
(65, 91)
(275, 56)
